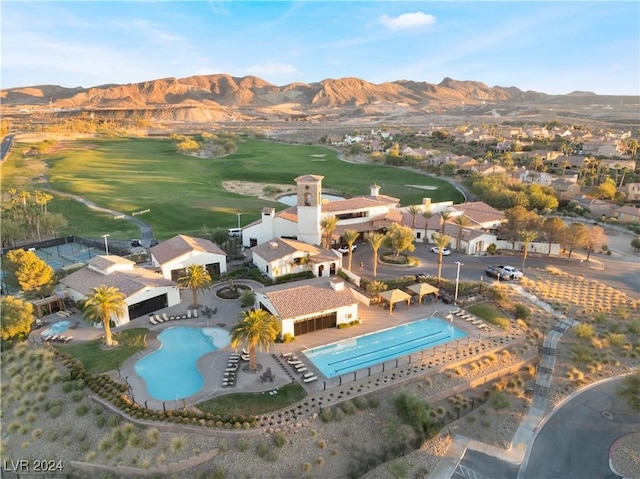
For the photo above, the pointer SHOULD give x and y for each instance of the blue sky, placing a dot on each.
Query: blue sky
(550, 47)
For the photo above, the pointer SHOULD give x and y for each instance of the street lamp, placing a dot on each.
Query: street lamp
(455, 298)
(106, 245)
(239, 215)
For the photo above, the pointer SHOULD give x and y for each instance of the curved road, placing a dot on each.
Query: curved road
(574, 442)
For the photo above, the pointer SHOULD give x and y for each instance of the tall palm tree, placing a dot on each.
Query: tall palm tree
(441, 241)
(375, 240)
(444, 217)
(427, 216)
(256, 328)
(414, 210)
(104, 303)
(328, 226)
(461, 221)
(350, 236)
(526, 236)
(196, 279)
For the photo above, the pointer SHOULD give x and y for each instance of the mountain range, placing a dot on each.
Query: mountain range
(222, 97)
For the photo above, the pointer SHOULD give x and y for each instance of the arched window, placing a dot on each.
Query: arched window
(307, 199)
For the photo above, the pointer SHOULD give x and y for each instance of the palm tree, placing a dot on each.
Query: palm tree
(441, 241)
(414, 210)
(306, 262)
(328, 226)
(526, 236)
(256, 328)
(104, 303)
(461, 221)
(427, 216)
(195, 278)
(350, 236)
(375, 240)
(444, 217)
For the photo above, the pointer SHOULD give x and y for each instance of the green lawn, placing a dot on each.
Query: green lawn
(97, 360)
(253, 404)
(185, 193)
(491, 314)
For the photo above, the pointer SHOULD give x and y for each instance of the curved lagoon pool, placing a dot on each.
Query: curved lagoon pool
(171, 372)
(56, 328)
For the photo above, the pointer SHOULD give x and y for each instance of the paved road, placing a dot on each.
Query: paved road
(574, 443)
(5, 146)
(491, 468)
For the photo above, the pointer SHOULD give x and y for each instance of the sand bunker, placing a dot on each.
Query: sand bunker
(423, 187)
(264, 191)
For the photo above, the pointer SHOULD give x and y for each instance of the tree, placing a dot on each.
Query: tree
(196, 279)
(553, 231)
(441, 241)
(427, 216)
(444, 217)
(33, 276)
(635, 243)
(575, 236)
(257, 328)
(16, 317)
(518, 219)
(104, 303)
(399, 238)
(350, 236)
(374, 288)
(606, 190)
(461, 221)
(414, 210)
(53, 223)
(630, 391)
(527, 238)
(595, 239)
(375, 240)
(328, 226)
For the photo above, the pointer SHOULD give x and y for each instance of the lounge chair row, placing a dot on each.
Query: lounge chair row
(300, 367)
(229, 379)
(157, 319)
(56, 338)
(64, 314)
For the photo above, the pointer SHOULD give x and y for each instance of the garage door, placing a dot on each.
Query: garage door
(148, 306)
(315, 324)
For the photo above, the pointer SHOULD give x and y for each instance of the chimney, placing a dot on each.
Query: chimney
(375, 190)
(426, 202)
(337, 284)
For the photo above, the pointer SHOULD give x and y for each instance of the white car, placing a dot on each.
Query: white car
(345, 249)
(513, 272)
(445, 251)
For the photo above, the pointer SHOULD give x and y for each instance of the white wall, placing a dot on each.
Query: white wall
(194, 257)
(172, 292)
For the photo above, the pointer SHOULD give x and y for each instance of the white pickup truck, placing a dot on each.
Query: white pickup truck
(511, 272)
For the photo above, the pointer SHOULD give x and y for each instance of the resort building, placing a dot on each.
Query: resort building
(310, 305)
(174, 255)
(145, 291)
(282, 256)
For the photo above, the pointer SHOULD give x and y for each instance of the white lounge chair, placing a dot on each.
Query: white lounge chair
(159, 319)
(293, 363)
(301, 370)
(195, 313)
(310, 379)
(67, 339)
(308, 375)
(245, 357)
(152, 321)
(286, 355)
(165, 317)
(188, 314)
(231, 367)
(301, 365)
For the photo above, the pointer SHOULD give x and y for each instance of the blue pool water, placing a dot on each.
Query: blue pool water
(57, 328)
(356, 353)
(170, 372)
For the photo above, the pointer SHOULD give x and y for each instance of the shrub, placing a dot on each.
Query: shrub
(522, 312)
(279, 439)
(617, 339)
(499, 400)
(82, 410)
(325, 414)
(348, 407)
(287, 338)
(242, 445)
(584, 331)
(361, 403)
(322, 444)
(55, 411)
(262, 449)
(177, 444)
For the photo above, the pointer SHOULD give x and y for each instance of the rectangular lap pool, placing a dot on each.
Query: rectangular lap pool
(351, 354)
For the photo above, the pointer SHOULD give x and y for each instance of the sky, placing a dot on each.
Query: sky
(545, 46)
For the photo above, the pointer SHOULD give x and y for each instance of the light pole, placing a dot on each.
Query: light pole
(455, 298)
(106, 245)
(239, 215)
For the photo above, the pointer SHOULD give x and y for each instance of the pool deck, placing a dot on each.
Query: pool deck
(213, 365)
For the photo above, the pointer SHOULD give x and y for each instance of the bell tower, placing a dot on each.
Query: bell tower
(309, 203)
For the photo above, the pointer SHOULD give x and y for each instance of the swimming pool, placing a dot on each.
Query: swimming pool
(170, 372)
(56, 328)
(360, 352)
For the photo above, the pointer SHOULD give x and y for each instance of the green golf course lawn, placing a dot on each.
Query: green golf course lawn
(185, 193)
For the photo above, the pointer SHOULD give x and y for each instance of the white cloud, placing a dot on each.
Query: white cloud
(407, 21)
(272, 69)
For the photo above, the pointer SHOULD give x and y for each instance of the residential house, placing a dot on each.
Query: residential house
(627, 214)
(174, 255)
(145, 291)
(595, 206)
(632, 190)
(308, 306)
(566, 187)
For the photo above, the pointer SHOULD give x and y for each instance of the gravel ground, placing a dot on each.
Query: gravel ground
(626, 456)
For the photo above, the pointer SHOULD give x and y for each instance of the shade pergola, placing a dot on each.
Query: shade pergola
(47, 305)
(423, 289)
(395, 296)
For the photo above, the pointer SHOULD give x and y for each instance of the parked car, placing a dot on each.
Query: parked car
(445, 251)
(512, 272)
(422, 276)
(136, 242)
(494, 272)
(345, 249)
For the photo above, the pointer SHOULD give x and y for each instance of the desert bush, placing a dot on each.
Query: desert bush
(499, 400)
(522, 312)
(325, 414)
(279, 439)
(361, 403)
(581, 354)
(348, 407)
(242, 445)
(177, 444)
(584, 331)
(617, 339)
(263, 449)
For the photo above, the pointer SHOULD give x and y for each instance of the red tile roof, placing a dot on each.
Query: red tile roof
(180, 245)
